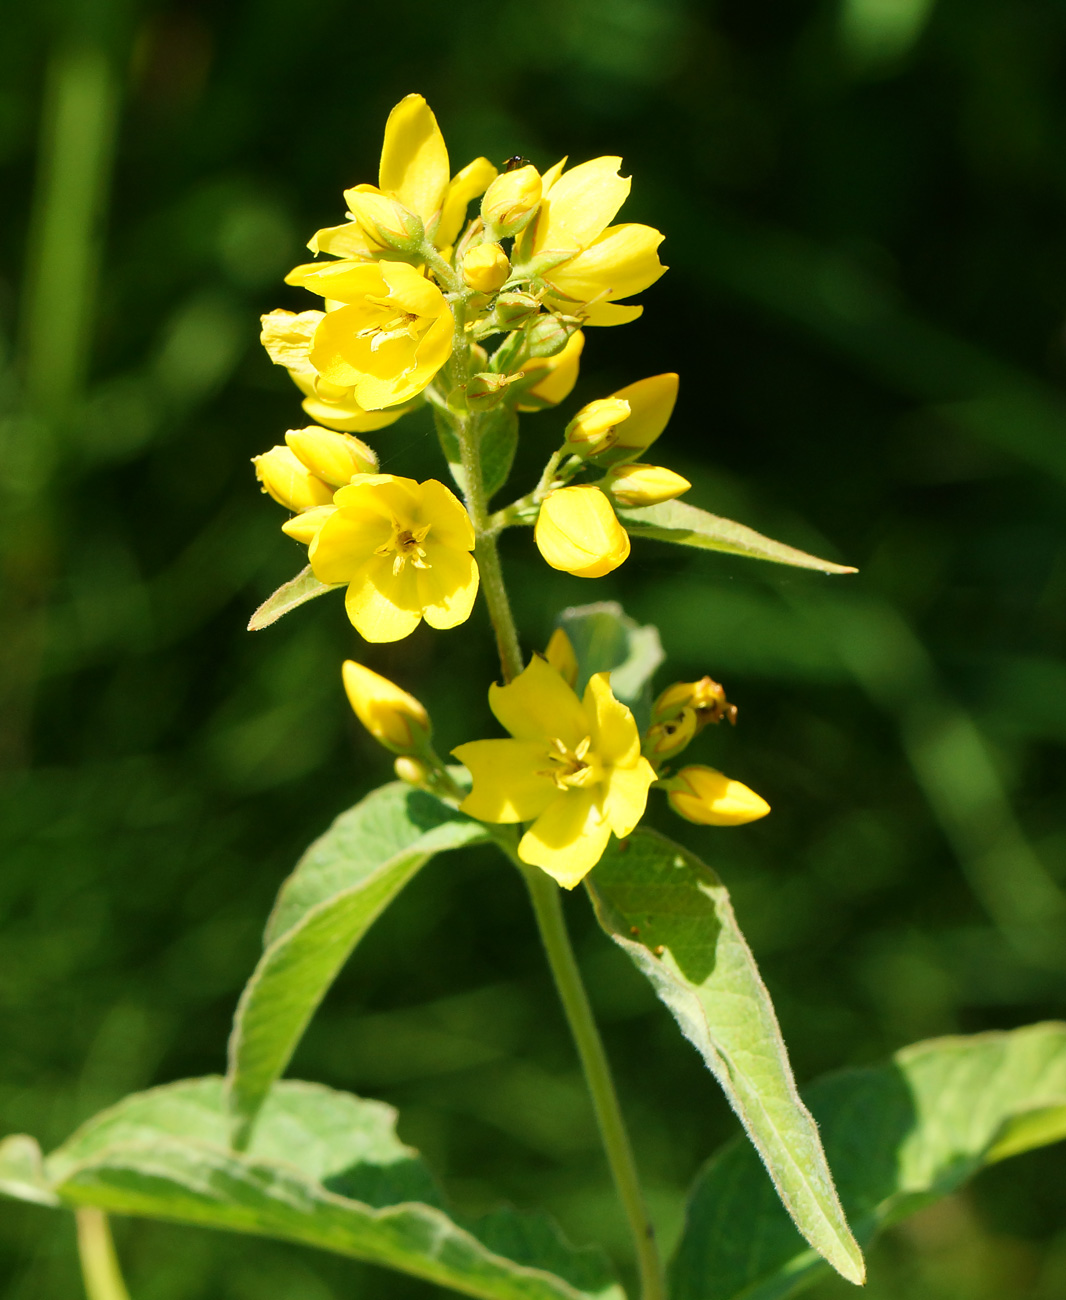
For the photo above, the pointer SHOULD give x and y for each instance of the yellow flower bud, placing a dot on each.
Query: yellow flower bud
(514, 309)
(289, 481)
(560, 654)
(651, 403)
(594, 428)
(664, 740)
(412, 770)
(554, 377)
(486, 268)
(511, 200)
(548, 335)
(386, 223)
(392, 717)
(333, 457)
(706, 697)
(644, 485)
(577, 532)
(708, 798)
(304, 526)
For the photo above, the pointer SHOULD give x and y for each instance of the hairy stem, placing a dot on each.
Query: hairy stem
(99, 1263)
(548, 908)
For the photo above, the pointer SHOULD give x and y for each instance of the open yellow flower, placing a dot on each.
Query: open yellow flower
(413, 174)
(388, 337)
(608, 262)
(573, 768)
(403, 548)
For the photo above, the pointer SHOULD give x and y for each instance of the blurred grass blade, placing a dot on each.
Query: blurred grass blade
(80, 115)
(685, 525)
(324, 1169)
(340, 886)
(672, 916)
(96, 1249)
(290, 595)
(899, 1136)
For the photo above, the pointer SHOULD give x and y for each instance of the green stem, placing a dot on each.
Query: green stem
(548, 908)
(99, 1263)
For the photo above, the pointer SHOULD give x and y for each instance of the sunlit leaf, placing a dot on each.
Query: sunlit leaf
(297, 591)
(898, 1136)
(672, 916)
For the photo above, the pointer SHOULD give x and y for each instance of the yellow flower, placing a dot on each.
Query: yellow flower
(288, 480)
(394, 718)
(607, 262)
(577, 531)
(330, 456)
(573, 768)
(287, 337)
(594, 426)
(414, 175)
(486, 268)
(709, 798)
(556, 376)
(388, 337)
(403, 548)
(644, 485)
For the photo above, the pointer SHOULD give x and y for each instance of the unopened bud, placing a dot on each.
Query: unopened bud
(651, 403)
(289, 481)
(514, 309)
(392, 717)
(560, 654)
(486, 268)
(485, 390)
(331, 456)
(385, 222)
(577, 531)
(413, 770)
(549, 334)
(595, 426)
(644, 485)
(511, 200)
(707, 697)
(709, 798)
(665, 740)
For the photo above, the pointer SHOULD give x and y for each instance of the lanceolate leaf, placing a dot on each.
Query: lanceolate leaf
(671, 914)
(898, 1136)
(497, 442)
(677, 521)
(341, 885)
(606, 639)
(324, 1168)
(297, 591)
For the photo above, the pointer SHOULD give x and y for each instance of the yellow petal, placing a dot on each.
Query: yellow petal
(411, 291)
(414, 159)
(644, 485)
(381, 605)
(339, 281)
(608, 313)
(289, 481)
(345, 542)
(615, 738)
(710, 798)
(347, 240)
(331, 456)
(510, 784)
(627, 796)
(559, 376)
(553, 173)
(651, 403)
(396, 719)
(466, 185)
(387, 496)
(448, 588)
(434, 348)
(539, 704)
(305, 527)
(350, 416)
(442, 509)
(577, 532)
(287, 336)
(581, 204)
(567, 839)
(621, 262)
(560, 654)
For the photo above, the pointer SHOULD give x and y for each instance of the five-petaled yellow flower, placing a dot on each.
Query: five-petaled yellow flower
(403, 548)
(573, 768)
(607, 262)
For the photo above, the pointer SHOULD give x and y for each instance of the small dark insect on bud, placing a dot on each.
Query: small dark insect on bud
(514, 162)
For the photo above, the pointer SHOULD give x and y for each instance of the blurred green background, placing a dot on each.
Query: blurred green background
(864, 204)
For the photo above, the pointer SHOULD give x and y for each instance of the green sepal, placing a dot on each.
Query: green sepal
(297, 591)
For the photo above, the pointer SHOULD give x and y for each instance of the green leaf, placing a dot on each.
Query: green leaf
(672, 915)
(677, 521)
(22, 1171)
(340, 886)
(606, 639)
(497, 441)
(297, 591)
(324, 1168)
(899, 1136)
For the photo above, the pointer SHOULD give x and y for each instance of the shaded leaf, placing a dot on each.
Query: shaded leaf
(340, 886)
(899, 1136)
(685, 525)
(497, 440)
(297, 591)
(672, 915)
(22, 1171)
(606, 639)
(323, 1168)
